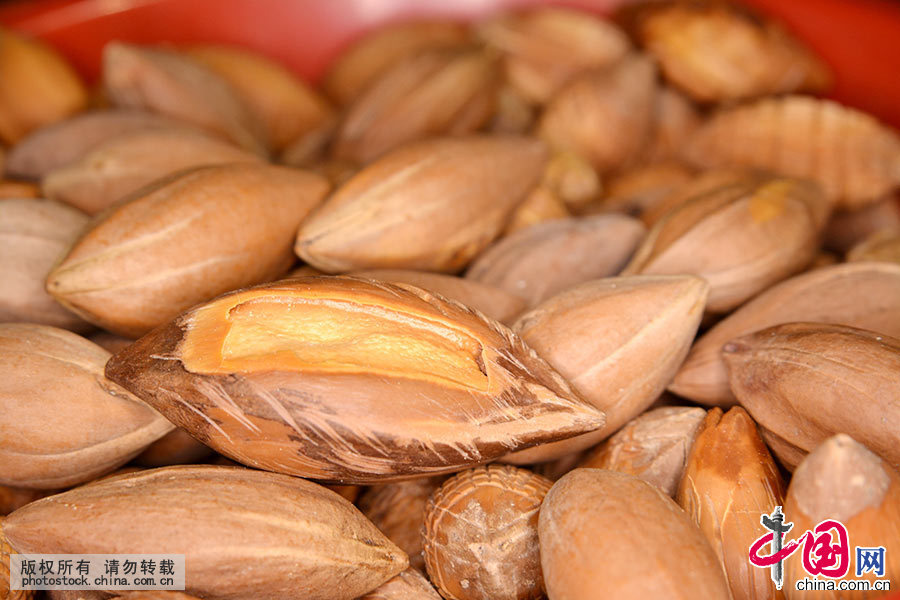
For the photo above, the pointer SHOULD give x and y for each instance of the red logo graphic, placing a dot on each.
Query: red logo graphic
(822, 554)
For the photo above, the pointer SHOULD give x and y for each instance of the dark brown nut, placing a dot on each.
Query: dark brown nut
(740, 238)
(63, 422)
(165, 249)
(844, 481)
(481, 537)
(286, 106)
(864, 295)
(544, 48)
(350, 380)
(398, 511)
(653, 446)
(172, 84)
(807, 381)
(618, 341)
(124, 164)
(429, 206)
(583, 549)
(851, 155)
(436, 92)
(496, 303)
(545, 259)
(606, 116)
(317, 545)
(38, 87)
(59, 144)
(175, 448)
(717, 52)
(33, 235)
(370, 56)
(729, 481)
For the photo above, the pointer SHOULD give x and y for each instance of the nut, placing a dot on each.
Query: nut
(882, 246)
(334, 371)
(408, 585)
(481, 538)
(317, 544)
(64, 422)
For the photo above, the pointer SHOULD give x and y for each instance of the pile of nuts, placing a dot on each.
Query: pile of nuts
(580, 300)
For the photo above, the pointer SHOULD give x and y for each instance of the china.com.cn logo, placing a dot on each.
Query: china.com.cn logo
(825, 552)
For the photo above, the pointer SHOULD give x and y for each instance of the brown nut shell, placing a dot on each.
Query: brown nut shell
(545, 259)
(63, 422)
(350, 380)
(481, 537)
(584, 547)
(162, 250)
(847, 228)
(317, 545)
(653, 446)
(864, 295)
(808, 381)
(34, 233)
(729, 481)
(883, 246)
(619, 341)
(429, 206)
(408, 585)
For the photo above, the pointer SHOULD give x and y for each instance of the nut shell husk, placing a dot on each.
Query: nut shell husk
(126, 163)
(33, 235)
(162, 250)
(405, 383)
(432, 93)
(64, 422)
(604, 115)
(429, 206)
(317, 545)
(583, 549)
(864, 295)
(61, 143)
(741, 238)
(653, 446)
(618, 341)
(481, 538)
(38, 87)
(730, 480)
(545, 259)
(807, 381)
(842, 480)
(544, 48)
(851, 155)
(172, 84)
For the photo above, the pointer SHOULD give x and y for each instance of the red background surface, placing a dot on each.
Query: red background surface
(859, 38)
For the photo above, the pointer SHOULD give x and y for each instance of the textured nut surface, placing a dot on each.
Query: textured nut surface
(352, 380)
(398, 510)
(864, 295)
(172, 84)
(481, 539)
(408, 585)
(843, 480)
(125, 163)
(740, 238)
(618, 341)
(653, 446)
(807, 381)
(583, 549)
(147, 259)
(63, 422)
(729, 481)
(61, 143)
(852, 156)
(316, 544)
(430, 206)
(540, 261)
(34, 233)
